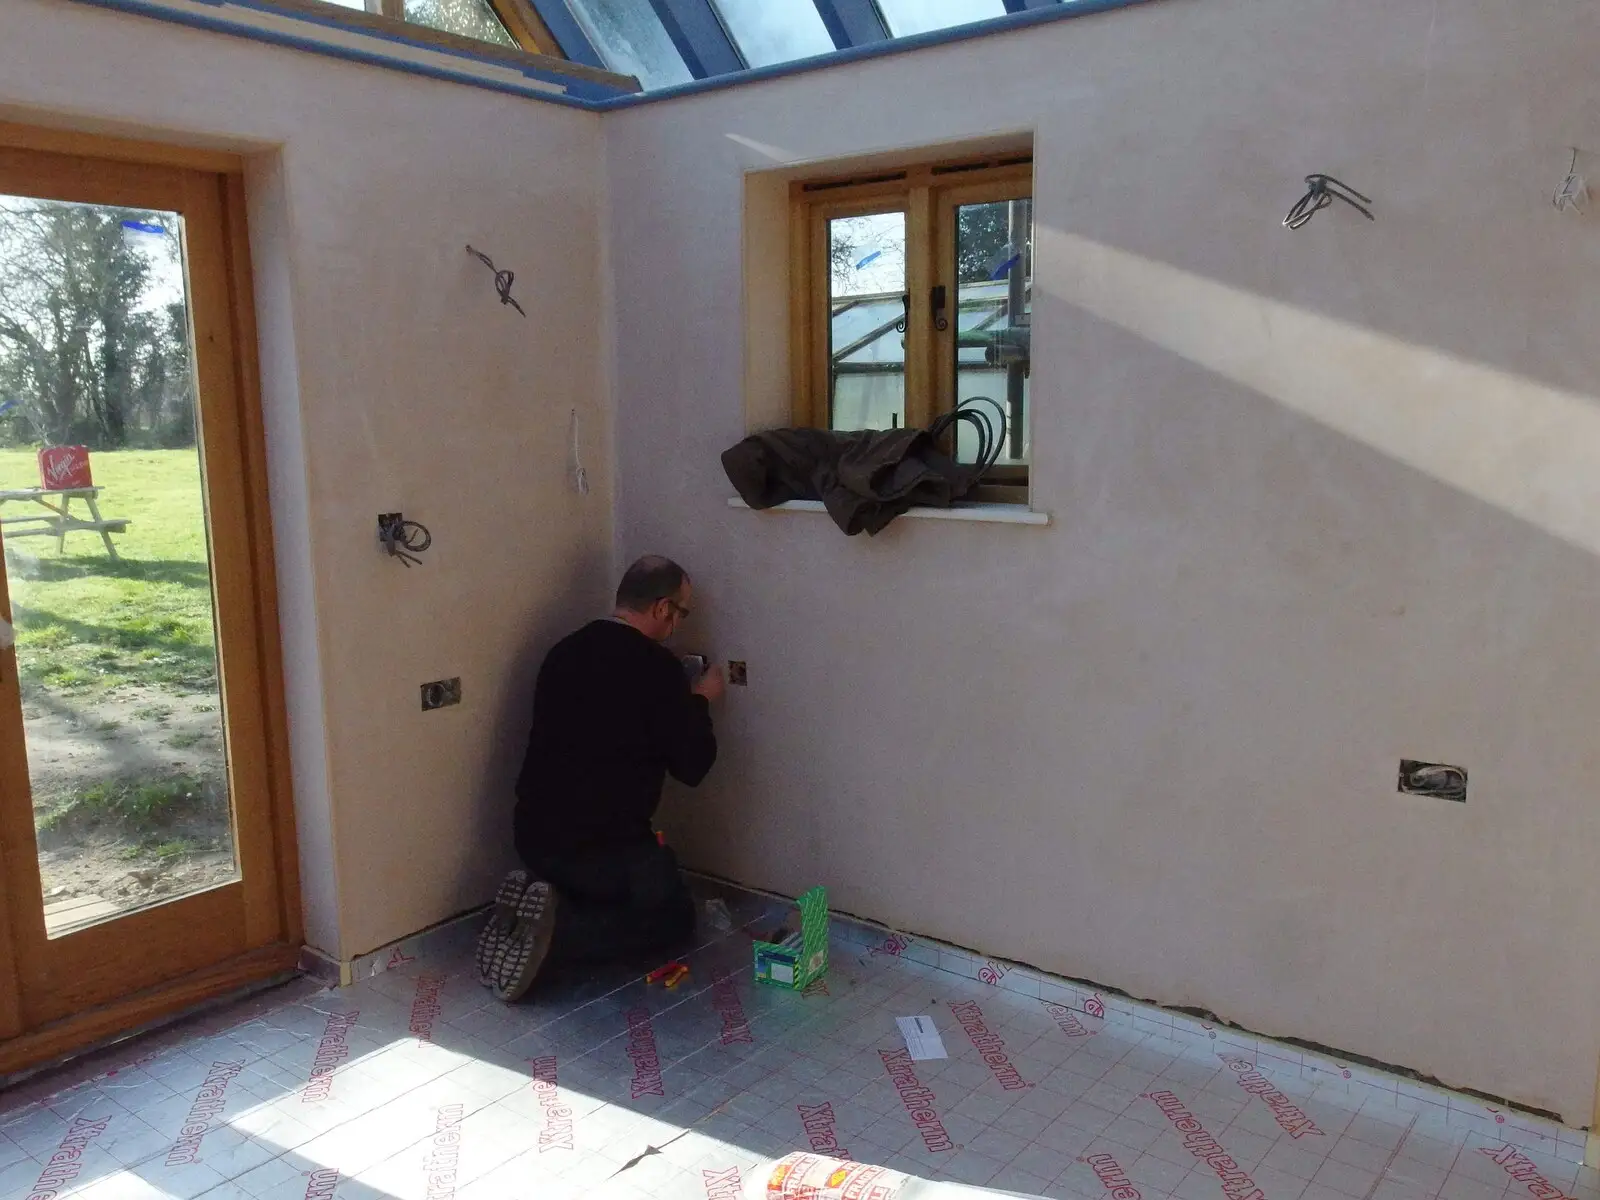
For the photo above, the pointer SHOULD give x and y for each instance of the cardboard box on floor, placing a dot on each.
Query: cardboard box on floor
(801, 958)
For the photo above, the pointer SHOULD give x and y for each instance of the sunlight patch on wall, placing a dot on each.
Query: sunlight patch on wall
(1527, 448)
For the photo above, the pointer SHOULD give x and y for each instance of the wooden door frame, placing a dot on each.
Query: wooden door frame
(273, 937)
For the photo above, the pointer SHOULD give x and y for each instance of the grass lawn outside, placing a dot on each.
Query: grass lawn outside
(119, 679)
(87, 623)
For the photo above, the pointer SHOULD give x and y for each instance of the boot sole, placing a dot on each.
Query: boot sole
(502, 924)
(524, 951)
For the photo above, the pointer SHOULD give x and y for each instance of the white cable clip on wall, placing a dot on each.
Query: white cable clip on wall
(580, 476)
(1573, 193)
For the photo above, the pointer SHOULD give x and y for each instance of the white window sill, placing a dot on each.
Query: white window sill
(992, 514)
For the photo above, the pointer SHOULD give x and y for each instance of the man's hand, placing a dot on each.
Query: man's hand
(711, 684)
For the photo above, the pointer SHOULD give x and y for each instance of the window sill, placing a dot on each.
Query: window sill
(991, 514)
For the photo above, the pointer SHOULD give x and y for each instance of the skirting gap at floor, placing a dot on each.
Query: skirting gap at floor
(415, 1084)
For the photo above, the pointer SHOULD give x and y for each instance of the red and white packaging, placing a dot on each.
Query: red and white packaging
(816, 1177)
(64, 468)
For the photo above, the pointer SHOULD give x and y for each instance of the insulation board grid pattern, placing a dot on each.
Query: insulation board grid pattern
(415, 1084)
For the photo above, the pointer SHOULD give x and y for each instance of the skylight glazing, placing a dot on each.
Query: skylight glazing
(774, 31)
(907, 17)
(631, 39)
(469, 18)
(669, 42)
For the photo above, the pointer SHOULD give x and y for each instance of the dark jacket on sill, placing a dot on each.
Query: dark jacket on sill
(612, 716)
(865, 479)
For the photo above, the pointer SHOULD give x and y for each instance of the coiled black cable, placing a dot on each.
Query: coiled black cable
(990, 441)
(1321, 191)
(502, 279)
(404, 540)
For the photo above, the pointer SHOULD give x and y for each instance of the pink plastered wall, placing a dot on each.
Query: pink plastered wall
(1320, 501)
(394, 380)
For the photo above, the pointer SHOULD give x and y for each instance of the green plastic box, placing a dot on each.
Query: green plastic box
(801, 958)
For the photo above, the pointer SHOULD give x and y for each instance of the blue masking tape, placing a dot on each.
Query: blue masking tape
(1002, 269)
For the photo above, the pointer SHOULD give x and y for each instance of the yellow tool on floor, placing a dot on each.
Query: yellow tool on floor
(671, 974)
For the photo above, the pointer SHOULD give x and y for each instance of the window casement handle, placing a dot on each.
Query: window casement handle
(936, 302)
(905, 300)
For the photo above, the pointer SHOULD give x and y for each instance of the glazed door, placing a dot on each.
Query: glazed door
(143, 838)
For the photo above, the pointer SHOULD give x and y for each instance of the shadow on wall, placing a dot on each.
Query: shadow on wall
(1521, 446)
(585, 595)
(1237, 547)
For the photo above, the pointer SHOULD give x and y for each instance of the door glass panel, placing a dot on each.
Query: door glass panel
(102, 512)
(866, 333)
(994, 305)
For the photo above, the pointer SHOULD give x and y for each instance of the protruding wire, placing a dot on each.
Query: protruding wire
(1570, 193)
(1321, 191)
(502, 279)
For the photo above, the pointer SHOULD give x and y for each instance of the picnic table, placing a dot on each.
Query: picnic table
(57, 520)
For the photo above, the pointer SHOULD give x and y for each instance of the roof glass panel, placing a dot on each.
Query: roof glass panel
(469, 18)
(864, 327)
(907, 17)
(632, 40)
(854, 320)
(865, 331)
(774, 31)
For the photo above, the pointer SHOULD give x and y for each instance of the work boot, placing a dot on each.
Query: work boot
(513, 945)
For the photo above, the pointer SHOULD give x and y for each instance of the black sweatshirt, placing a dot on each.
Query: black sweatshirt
(613, 713)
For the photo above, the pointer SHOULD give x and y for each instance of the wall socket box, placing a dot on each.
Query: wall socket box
(1442, 781)
(441, 693)
(738, 674)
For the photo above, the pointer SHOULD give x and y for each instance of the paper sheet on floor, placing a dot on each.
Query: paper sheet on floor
(922, 1037)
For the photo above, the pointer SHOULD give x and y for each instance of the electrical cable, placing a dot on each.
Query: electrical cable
(580, 476)
(1570, 194)
(999, 440)
(1323, 190)
(1434, 779)
(502, 279)
(405, 540)
(989, 441)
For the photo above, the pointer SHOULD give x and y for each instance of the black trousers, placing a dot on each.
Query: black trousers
(616, 902)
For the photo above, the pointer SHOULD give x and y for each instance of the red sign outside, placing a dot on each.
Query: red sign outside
(64, 468)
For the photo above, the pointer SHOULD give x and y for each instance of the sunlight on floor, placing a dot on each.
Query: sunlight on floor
(416, 1085)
